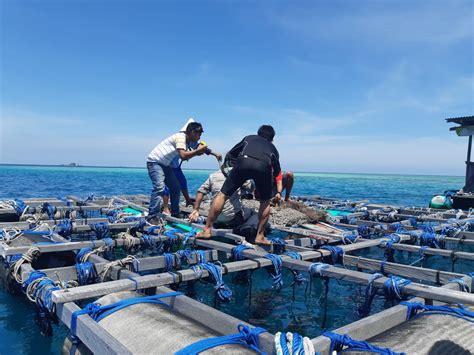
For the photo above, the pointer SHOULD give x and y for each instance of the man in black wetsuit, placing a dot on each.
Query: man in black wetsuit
(255, 157)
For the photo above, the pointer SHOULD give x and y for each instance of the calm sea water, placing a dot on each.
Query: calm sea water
(18, 332)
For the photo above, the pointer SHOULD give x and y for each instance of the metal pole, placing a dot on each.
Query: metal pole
(468, 160)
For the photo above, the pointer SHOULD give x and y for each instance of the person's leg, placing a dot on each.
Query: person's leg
(235, 179)
(288, 184)
(166, 200)
(263, 215)
(178, 172)
(214, 211)
(263, 180)
(175, 189)
(157, 177)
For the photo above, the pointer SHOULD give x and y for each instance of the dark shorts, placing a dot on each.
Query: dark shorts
(249, 168)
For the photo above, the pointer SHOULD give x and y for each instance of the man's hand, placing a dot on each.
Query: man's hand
(201, 149)
(218, 157)
(194, 216)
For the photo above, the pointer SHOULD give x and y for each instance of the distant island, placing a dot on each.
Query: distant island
(70, 164)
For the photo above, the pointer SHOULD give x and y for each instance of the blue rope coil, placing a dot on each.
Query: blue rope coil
(64, 228)
(20, 206)
(298, 278)
(350, 237)
(338, 342)
(237, 252)
(370, 293)
(432, 240)
(100, 229)
(278, 245)
(215, 273)
(49, 209)
(277, 277)
(337, 254)
(393, 287)
(86, 273)
(246, 336)
(363, 231)
(191, 234)
(389, 252)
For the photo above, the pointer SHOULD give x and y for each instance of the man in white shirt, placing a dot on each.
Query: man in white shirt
(159, 165)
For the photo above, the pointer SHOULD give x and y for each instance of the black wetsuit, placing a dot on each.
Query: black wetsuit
(252, 158)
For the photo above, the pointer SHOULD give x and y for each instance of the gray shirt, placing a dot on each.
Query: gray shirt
(211, 187)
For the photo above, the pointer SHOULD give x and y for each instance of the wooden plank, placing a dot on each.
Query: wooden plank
(425, 291)
(148, 281)
(434, 251)
(51, 248)
(207, 316)
(401, 270)
(371, 326)
(145, 264)
(96, 338)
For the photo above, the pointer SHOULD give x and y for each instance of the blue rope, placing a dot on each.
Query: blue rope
(298, 278)
(393, 238)
(43, 296)
(98, 312)
(393, 287)
(215, 273)
(350, 237)
(337, 254)
(413, 309)
(422, 255)
(277, 277)
(413, 221)
(191, 234)
(148, 241)
(169, 261)
(139, 227)
(173, 235)
(297, 344)
(338, 342)
(64, 228)
(81, 253)
(86, 273)
(246, 336)
(317, 269)
(370, 293)
(238, 250)
(431, 239)
(397, 226)
(363, 230)
(278, 245)
(101, 229)
(463, 286)
(20, 206)
(49, 209)
(112, 215)
(348, 220)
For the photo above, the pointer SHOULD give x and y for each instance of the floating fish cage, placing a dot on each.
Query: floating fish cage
(371, 278)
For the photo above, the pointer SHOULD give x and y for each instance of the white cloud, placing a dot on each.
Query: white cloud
(442, 22)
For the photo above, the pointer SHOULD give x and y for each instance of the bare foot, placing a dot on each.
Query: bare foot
(205, 234)
(262, 240)
(167, 211)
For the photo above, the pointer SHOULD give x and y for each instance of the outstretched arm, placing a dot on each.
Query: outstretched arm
(185, 154)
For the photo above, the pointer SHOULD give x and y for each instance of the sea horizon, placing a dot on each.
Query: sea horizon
(213, 169)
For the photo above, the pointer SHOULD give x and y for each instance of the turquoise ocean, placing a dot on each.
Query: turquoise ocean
(18, 332)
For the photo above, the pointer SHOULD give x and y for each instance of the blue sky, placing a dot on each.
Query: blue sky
(350, 86)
